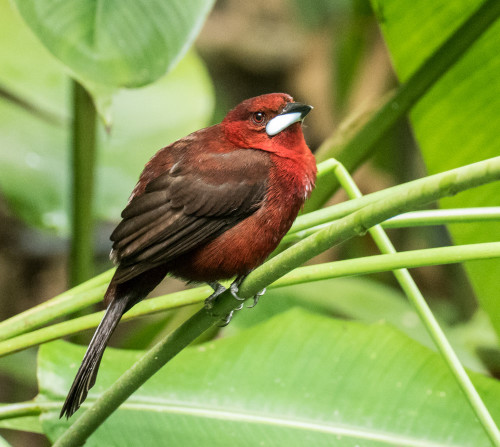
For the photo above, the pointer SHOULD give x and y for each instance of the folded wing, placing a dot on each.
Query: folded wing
(186, 206)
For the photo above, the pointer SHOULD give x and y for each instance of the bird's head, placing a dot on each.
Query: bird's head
(267, 122)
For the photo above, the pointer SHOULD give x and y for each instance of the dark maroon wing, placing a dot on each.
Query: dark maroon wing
(186, 206)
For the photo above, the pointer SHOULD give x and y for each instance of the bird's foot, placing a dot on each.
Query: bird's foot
(257, 297)
(219, 289)
(234, 288)
(227, 319)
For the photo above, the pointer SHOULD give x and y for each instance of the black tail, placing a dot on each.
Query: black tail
(86, 375)
(121, 297)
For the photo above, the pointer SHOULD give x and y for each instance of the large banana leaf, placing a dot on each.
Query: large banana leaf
(122, 43)
(298, 379)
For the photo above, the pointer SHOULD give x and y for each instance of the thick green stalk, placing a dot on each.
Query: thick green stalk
(354, 151)
(318, 272)
(143, 369)
(356, 223)
(83, 165)
(92, 291)
(428, 320)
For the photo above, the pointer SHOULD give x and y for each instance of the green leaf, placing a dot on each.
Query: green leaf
(122, 43)
(456, 123)
(145, 120)
(369, 301)
(28, 423)
(47, 85)
(298, 379)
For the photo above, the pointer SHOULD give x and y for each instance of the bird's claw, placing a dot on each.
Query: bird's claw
(235, 287)
(257, 297)
(229, 316)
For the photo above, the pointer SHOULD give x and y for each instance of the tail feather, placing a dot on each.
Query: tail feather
(86, 375)
(119, 297)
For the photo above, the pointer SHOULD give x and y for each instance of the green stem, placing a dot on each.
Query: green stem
(83, 163)
(356, 149)
(429, 321)
(444, 217)
(357, 223)
(92, 291)
(415, 219)
(66, 303)
(151, 306)
(388, 262)
(331, 213)
(24, 409)
(318, 272)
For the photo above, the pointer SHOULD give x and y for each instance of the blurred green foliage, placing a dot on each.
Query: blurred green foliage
(34, 161)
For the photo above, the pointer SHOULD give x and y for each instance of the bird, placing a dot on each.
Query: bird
(210, 206)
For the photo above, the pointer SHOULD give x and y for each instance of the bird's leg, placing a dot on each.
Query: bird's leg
(235, 287)
(219, 289)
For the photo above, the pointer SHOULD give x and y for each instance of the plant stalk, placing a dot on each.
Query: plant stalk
(83, 145)
(417, 195)
(67, 302)
(19, 410)
(91, 291)
(413, 219)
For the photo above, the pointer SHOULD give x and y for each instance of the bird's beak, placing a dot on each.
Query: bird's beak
(292, 113)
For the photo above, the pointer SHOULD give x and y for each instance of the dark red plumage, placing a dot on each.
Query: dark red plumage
(210, 206)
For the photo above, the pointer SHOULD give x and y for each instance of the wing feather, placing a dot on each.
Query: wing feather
(186, 206)
(141, 205)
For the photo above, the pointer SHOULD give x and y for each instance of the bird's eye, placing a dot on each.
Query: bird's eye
(258, 117)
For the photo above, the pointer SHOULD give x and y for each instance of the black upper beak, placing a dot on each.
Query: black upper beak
(292, 113)
(293, 107)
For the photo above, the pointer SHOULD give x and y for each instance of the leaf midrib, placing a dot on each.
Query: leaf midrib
(339, 430)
